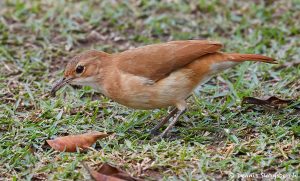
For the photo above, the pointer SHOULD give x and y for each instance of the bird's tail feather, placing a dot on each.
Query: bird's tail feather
(222, 61)
(237, 57)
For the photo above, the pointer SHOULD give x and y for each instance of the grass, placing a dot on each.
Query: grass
(217, 139)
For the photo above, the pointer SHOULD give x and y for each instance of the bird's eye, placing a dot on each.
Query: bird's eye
(79, 69)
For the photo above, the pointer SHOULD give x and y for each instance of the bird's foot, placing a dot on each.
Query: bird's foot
(159, 137)
(154, 132)
(156, 138)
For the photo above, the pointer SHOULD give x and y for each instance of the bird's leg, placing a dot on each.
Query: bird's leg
(180, 112)
(154, 131)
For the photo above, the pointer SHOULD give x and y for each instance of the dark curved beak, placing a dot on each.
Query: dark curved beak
(61, 83)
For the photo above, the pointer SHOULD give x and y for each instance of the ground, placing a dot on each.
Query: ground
(216, 139)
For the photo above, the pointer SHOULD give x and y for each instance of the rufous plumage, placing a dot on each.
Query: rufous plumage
(153, 76)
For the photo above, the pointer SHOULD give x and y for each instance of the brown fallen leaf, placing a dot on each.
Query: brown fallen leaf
(109, 173)
(272, 102)
(70, 143)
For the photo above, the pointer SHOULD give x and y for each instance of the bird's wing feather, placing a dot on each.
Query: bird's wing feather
(157, 61)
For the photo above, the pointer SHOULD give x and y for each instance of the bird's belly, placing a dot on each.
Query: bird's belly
(143, 97)
(142, 101)
(135, 93)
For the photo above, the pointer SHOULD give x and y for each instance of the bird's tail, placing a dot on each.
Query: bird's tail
(220, 61)
(236, 57)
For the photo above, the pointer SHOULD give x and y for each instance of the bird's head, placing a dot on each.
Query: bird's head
(82, 69)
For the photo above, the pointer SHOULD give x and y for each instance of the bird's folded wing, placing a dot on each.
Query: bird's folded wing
(159, 60)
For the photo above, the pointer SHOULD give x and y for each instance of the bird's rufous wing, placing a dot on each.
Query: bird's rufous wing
(159, 60)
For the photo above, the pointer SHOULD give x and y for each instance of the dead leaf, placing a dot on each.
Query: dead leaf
(70, 143)
(109, 173)
(272, 102)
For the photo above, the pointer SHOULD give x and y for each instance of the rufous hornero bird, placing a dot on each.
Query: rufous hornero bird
(153, 76)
